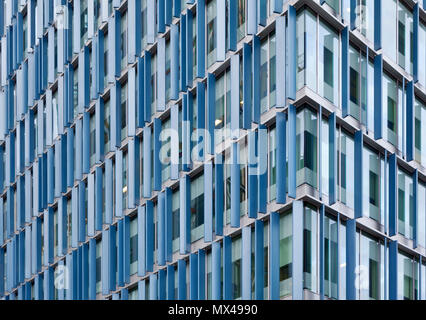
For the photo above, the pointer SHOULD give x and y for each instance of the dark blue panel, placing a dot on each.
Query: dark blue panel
(332, 158)
(358, 206)
(211, 103)
(227, 268)
(262, 174)
(377, 24)
(168, 224)
(193, 274)
(253, 171)
(258, 260)
(247, 86)
(292, 151)
(274, 256)
(216, 271)
(350, 259)
(161, 229)
(232, 14)
(149, 207)
(162, 284)
(181, 279)
(208, 201)
(201, 274)
(189, 51)
(256, 79)
(219, 194)
(141, 241)
(183, 53)
(147, 87)
(170, 282)
(393, 270)
(281, 157)
(201, 38)
(235, 186)
(157, 162)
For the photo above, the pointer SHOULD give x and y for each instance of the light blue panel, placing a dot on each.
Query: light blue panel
(208, 201)
(219, 194)
(82, 211)
(291, 53)
(227, 268)
(246, 264)
(181, 269)
(141, 241)
(40, 127)
(378, 92)
(262, 174)
(292, 151)
(100, 63)
(83, 79)
(141, 290)
(91, 205)
(105, 267)
(393, 270)
(235, 95)
(147, 162)
(158, 166)
(332, 161)
(150, 234)
(62, 226)
(115, 105)
(99, 211)
(345, 70)
(134, 172)
(201, 38)
(189, 53)
(120, 253)
(27, 259)
(133, 29)
(140, 100)
(358, 205)
(119, 205)
(126, 250)
(409, 127)
(161, 229)
(150, 35)
(350, 259)
(108, 191)
(78, 141)
(170, 282)
(201, 274)
(235, 185)
(280, 65)
(92, 269)
(161, 73)
(29, 140)
(70, 157)
(377, 24)
(131, 102)
(393, 182)
(274, 256)
(174, 62)
(220, 29)
(184, 214)
(187, 111)
(86, 143)
(174, 119)
(281, 157)
(193, 276)
(251, 17)
(74, 217)
(232, 15)
(168, 224)
(216, 271)
(414, 207)
(90, 18)
(114, 45)
(253, 170)
(147, 87)
(100, 130)
(76, 22)
(256, 79)
(297, 250)
(277, 6)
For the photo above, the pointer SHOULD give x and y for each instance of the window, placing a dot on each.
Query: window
(405, 204)
(107, 126)
(197, 208)
(389, 24)
(373, 184)
(407, 277)
(92, 126)
(320, 73)
(370, 271)
(83, 23)
(310, 252)
(346, 168)
(241, 19)
(123, 111)
(285, 253)
(125, 190)
(405, 38)
(222, 106)
(133, 245)
(211, 32)
(365, 18)
(123, 41)
(421, 213)
(391, 112)
(165, 155)
(325, 157)
(357, 84)
(267, 73)
(420, 132)
(168, 71)
(144, 22)
(175, 218)
(306, 147)
(153, 84)
(236, 267)
(272, 164)
(331, 252)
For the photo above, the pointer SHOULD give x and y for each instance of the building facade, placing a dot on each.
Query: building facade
(213, 149)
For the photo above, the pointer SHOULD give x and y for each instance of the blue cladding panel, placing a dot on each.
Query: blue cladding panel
(281, 157)
(345, 71)
(274, 257)
(377, 24)
(393, 270)
(149, 233)
(216, 271)
(258, 260)
(350, 259)
(291, 53)
(246, 263)
(256, 81)
(253, 164)
(358, 174)
(227, 268)
(235, 186)
(262, 174)
(378, 91)
(410, 120)
(201, 38)
(141, 241)
(297, 250)
(193, 272)
(393, 171)
(208, 202)
(219, 194)
(181, 280)
(332, 161)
